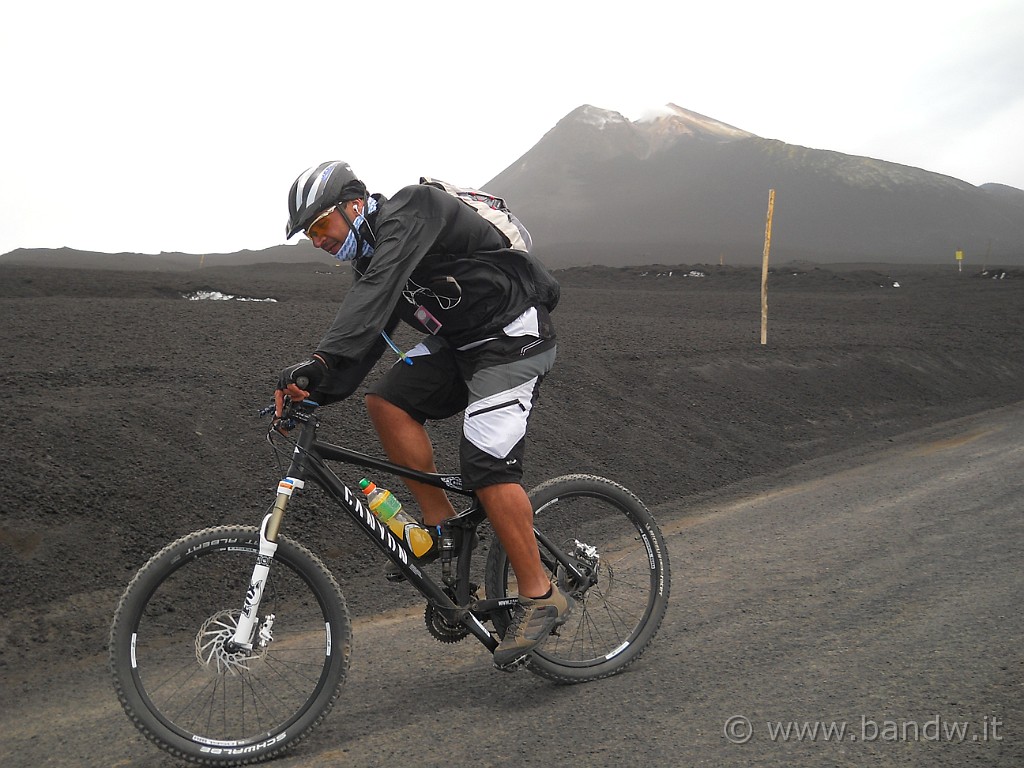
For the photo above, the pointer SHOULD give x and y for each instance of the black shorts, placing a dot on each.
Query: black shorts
(495, 383)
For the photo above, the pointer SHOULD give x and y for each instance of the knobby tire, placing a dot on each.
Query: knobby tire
(184, 690)
(609, 532)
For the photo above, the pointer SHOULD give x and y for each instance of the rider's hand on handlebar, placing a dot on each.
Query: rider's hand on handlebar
(297, 381)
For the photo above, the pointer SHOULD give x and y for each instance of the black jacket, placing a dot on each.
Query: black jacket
(431, 250)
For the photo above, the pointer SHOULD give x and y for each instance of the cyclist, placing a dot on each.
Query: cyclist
(426, 258)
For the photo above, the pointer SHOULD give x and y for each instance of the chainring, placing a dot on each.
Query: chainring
(440, 626)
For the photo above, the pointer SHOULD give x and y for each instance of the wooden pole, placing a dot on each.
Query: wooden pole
(764, 267)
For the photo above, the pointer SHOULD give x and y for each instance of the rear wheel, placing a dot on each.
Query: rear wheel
(602, 546)
(183, 684)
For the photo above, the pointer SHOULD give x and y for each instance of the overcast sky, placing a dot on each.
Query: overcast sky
(180, 126)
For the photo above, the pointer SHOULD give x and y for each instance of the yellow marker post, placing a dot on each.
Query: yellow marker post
(764, 267)
(959, 261)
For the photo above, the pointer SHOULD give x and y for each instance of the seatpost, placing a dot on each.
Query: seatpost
(447, 550)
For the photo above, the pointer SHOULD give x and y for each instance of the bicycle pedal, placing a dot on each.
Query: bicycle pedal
(514, 666)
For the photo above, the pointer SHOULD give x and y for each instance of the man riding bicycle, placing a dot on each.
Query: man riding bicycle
(427, 258)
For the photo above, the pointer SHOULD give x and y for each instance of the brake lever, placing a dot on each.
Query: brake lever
(282, 425)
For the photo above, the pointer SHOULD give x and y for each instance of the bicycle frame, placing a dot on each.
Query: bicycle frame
(308, 461)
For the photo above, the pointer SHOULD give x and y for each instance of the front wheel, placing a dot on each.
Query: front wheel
(601, 545)
(183, 683)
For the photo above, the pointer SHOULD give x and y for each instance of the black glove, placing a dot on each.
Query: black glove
(306, 375)
(298, 380)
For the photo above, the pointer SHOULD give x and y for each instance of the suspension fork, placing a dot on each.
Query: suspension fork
(268, 547)
(269, 529)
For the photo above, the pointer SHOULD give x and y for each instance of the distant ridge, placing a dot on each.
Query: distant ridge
(299, 253)
(680, 187)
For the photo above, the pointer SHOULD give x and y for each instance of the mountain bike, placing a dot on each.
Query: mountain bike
(232, 643)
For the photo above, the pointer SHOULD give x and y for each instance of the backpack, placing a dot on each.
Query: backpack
(492, 209)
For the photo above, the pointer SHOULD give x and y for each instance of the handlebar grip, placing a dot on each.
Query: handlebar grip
(302, 382)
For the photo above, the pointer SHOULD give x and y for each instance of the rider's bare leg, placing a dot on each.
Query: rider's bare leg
(508, 508)
(406, 442)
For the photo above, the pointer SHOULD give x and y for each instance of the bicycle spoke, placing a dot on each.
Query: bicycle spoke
(189, 684)
(615, 571)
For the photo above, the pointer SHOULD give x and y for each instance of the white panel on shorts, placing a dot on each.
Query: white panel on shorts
(496, 423)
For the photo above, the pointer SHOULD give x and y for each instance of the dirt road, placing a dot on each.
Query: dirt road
(863, 609)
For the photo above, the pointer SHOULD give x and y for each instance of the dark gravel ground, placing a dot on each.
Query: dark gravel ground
(130, 413)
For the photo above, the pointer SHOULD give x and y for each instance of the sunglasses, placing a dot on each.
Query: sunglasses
(310, 230)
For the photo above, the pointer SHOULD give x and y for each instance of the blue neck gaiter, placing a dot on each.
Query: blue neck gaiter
(349, 249)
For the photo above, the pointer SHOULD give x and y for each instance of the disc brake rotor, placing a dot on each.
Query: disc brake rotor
(214, 639)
